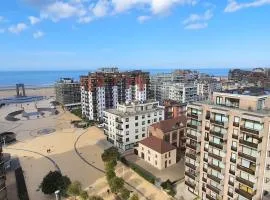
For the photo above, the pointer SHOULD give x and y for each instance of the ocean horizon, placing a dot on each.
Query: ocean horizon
(48, 78)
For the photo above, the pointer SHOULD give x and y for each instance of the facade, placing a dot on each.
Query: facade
(205, 88)
(107, 87)
(183, 92)
(157, 152)
(173, 109)
(68, 92)
(228, 146)
(171, 131)
(126, 125)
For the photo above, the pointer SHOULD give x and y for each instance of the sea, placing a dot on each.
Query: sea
(8, 79)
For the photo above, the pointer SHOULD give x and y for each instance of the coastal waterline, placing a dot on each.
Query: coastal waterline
(47, 78)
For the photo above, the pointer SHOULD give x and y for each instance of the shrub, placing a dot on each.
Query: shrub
(110, 174)
(95, 198)
(124, 194)
(84, 195)
(168, 186)
(110, 154)
(74, 189)
(116, 184)
(110, 165)
(134, 197)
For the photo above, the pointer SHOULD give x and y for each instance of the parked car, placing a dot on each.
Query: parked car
(100, 125)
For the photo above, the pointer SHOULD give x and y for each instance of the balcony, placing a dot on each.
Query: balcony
(119, 140)
(236, 124)
(194, 137)
(219, 146)
(246, 156)
(214, 189)
(204, 179)
(235, 136)
(231, 183)
(118, 127)
(247, 143)
(245, 182)
(194, 147)
(106, 132)
(219, 123)
(191, 185)
(231, 171)
(194, 116)
(233, 148)
(233, 160)
(230, 194)
(212, 166)
(207, 128)
(248, 170)
(190, 175)
(190, 165)
(119, 121)
(205, 170)
(214, 178)
(193, 126)
(215, 156)
(192, 156)
(245, 193)
(208, 196)
(244, 129)
(221, 135)
(106, 127)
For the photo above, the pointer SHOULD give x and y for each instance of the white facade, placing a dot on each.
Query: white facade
(183, 92)
(127, 124)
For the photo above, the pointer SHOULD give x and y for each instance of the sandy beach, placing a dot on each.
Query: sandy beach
(42, 91)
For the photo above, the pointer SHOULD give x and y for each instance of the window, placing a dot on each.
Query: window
(155, 162)
(136, 130)
(169, 154)
(236, 119)
(148, 158)
(174, 135)
(127, 126)
(169, 161)
(143, 122)
(160, 112)
(143, 135)
(218, 100)
(155, 120)
(136, 117)
(143, 116)
(136, 136)
(136, 124)
(156, 155)
(127, 132)
(253, 125)
(160, 119)
(127, 139)
(155, 113)
(143, 128)
(165, 155)
(149, 121)
(127, 119)
(149, 152)
(234, 143)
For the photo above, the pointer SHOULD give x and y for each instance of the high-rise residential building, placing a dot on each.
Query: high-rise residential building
(107, 87)
(126, 125)
(68, 92)
(174, 109)
(228, 146)
(205, 88)
(183, 92)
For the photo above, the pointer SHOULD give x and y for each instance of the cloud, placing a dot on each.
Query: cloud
(34, 20)
(38, 34)
(2, 30)
(101, 8)
(61, 10)
(17, 28)
(196, 26)
(196, 21)
(233, 5)
(84, 20)
(143, 18)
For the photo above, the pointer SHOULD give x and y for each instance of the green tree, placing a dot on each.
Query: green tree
(134, 197)
(116, 184)
(95, 198)
(110, 165)
(54, 181)
(74, 189)
(124, 193)
(110, 174)
(84, 195)
(110, 154)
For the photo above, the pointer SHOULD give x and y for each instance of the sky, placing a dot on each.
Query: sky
(85, 34)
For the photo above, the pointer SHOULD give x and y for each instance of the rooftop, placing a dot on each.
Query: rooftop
(252, 91)
(171, 124)
(131, 113)
(157, 144)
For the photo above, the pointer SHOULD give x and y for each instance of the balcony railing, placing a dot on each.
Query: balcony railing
(193, 126)
(212, 188)
(215, 156)
(191, 175)
(208, 196)
(249, 157)
(194, 147)
(194, 137)
(219, 123)
(245, 193)
(214, 178)
(242, 128)
(245, 182)
(192, 156)
(221, 135)
(118, 121)
(236, 124)
(119, 128)
(231, 171)
(219, 146)
(189, 184)
(235, 136)
(119, 140)
(193, 115)
(247, 143)
(204, 179)
(212, 166)
(248, 170)
(190, 165)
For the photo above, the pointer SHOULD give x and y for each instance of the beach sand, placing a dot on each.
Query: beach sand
(48, 91)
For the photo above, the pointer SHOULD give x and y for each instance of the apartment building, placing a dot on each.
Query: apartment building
(126, 125)
(107, 87)
(157, 152)
(228, 146)
(183, 92)
(68, 92)
(205, 88)
(171, 131)
(174, 109)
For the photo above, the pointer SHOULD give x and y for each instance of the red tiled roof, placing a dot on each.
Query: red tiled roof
(171, 124)
(157, 144)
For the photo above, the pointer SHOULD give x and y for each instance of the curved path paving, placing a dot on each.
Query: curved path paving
(100, 170)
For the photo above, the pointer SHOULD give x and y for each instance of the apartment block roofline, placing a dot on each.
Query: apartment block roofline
(157, 144)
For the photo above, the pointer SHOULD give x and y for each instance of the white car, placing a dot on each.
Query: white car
(100, 125)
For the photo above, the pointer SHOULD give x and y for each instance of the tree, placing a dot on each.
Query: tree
(54, 181)
(124, 194)
(110, 154)
(84, 195)
(116, 184)
(110, 165)
(74, 189)
(110, 174)
(134, 197)
(95, 198)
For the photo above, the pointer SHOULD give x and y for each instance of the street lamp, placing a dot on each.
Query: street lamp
(57, 197)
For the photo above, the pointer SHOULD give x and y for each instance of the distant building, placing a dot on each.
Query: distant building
(183, 93)
(206, 87)
(68, 92)
(171, 131)
(107, 87)
(126, 125)
(174, 109)
(157, 152)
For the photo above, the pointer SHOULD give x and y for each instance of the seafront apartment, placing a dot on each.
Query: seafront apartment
(126, 125)
(107, 87)
(228, 150)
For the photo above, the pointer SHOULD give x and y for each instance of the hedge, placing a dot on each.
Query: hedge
(139, 170)
(21, 186)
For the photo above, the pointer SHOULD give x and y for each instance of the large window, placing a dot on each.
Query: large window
(249, 151)
(253, 125)
(218, 100)
(220, 118)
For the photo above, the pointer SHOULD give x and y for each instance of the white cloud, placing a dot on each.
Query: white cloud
(233, 5)
(61, 10)
(2, 30)
(101, 8)
(196, 26)
(38, 34)
(84, 20)
(17, 28)
(34, 20)
(143, 18)
(196, 21)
